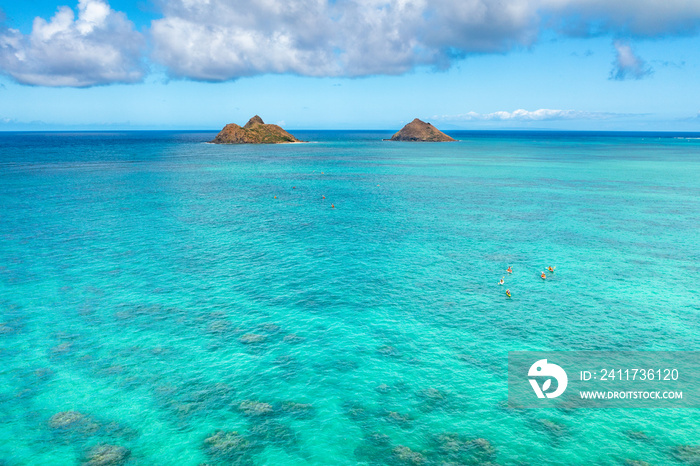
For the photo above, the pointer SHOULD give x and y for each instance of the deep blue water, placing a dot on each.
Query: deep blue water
(156, 290)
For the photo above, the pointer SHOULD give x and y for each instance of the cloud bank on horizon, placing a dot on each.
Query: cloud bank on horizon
(542, 114)
(222, 40)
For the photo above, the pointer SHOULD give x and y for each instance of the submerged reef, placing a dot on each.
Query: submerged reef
(106, 455)
(231, 447)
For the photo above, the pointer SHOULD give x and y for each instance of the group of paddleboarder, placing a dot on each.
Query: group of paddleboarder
(543, 276)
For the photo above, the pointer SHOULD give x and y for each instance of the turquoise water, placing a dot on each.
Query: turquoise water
(154, 288)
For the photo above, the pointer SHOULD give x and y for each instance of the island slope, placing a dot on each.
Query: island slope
(420, 131)
(254, 132)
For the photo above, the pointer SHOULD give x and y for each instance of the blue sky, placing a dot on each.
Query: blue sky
(350, 64)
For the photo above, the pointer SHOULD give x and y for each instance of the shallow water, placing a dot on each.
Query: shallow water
(155, 285)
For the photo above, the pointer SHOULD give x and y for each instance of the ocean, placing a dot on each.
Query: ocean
(164, 301)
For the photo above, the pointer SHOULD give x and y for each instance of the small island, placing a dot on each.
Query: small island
(254, 132)
(420, 131)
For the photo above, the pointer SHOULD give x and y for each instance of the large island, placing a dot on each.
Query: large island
(420, 131)
(254, 132)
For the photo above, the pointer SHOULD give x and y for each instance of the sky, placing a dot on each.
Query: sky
(350, 64)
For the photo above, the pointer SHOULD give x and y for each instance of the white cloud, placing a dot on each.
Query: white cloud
(627, 65)
(636, 18)
(526, 115)
(218, 40)
(225, 39)
(99, 47)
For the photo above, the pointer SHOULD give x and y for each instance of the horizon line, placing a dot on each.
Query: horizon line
(484, 130)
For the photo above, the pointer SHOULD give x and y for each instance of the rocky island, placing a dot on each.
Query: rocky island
(254, 132)
(420, 131)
